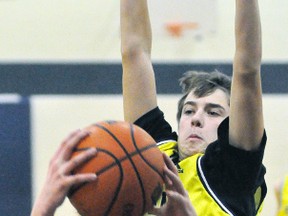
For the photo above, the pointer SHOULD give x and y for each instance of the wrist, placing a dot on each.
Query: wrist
(42, 209)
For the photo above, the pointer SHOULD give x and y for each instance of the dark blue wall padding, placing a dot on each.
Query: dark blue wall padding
(15, 169)
(105, 78)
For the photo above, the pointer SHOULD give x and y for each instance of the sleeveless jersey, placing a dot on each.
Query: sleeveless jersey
(201, 195)
(217, 184)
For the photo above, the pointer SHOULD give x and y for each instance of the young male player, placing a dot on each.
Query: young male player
(219, 159)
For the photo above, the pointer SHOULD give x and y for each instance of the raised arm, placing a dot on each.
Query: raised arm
(139, 91)
(246, 115)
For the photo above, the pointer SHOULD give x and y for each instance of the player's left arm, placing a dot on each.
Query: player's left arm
(246, 115)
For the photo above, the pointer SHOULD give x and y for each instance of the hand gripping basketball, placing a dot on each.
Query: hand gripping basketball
(129, 169)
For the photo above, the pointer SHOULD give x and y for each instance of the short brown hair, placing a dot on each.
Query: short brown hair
(202, 83)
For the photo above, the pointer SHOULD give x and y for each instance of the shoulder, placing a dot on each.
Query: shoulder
(155, 124)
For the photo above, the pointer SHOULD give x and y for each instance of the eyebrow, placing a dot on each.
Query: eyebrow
(208, 105)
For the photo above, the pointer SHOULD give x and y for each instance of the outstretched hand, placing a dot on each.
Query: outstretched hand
(59, 178)
(178, 203)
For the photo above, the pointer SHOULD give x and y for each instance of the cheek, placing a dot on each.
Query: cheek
(213, 128)
(182, 125)
(181, 128)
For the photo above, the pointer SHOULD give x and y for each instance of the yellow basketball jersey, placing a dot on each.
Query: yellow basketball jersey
(201, 195)
(283, 211)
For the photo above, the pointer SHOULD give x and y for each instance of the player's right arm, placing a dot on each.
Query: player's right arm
(139, 90)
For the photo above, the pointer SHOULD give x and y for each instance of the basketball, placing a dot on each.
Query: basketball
(129, 169)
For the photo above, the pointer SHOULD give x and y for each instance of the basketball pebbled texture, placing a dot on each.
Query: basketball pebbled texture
(129, 169)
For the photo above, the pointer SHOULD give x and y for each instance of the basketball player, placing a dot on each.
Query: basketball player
(281, 193)
(59, 180)
(219, 159)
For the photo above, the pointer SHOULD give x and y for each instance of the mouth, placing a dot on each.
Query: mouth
(194, 137)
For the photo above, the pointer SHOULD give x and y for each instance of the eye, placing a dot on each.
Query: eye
(188, 111)
(213, 113)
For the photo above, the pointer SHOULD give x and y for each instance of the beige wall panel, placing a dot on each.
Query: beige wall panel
(89, 30)
(53, 117)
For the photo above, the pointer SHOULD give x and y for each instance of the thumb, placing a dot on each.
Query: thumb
(155, 211)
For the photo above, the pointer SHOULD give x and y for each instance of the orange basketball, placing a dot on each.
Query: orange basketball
(129, 167)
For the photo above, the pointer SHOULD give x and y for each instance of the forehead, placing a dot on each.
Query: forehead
(217, 97)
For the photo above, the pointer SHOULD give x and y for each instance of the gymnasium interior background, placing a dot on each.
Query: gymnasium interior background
(60, 69)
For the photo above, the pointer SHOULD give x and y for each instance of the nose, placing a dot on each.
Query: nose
(197, 120)
(196, 123)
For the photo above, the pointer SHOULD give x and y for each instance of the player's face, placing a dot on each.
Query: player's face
(200, 120)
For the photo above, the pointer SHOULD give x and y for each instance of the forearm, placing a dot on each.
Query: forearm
(246, 115)
(138, 81)
(135, 27)
(42, 208)
(248, 37)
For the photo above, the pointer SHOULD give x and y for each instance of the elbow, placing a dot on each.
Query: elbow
(129, 50)
(248, 64)
(133, 49)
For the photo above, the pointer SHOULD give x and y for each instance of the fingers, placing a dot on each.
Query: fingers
(175, 182)
(78, 160)
(155, 211)
(171, 177)
(72, 141)
(169, 163)
(69, 164)
(64, 152)
(182, 204)
(172, 195)
(62, 164)
(80, 178)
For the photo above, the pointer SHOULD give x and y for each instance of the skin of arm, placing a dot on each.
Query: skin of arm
(139, 90)
(59, 179)
(246, 115)
(277, 191)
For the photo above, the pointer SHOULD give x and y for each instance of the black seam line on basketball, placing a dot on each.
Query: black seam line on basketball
(120, 182)
(74, 189)
(98, 173)
(130, 159)
(143, 158)
(120, 159)
(117, 162)
(139, 177)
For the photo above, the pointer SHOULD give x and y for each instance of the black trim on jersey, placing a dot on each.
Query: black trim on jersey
(209, 190)
(233, 173)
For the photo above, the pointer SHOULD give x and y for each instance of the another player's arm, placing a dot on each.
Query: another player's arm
(178, 202)
(278, 192)
(246, 115)
(139, 90)
(59, 179)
